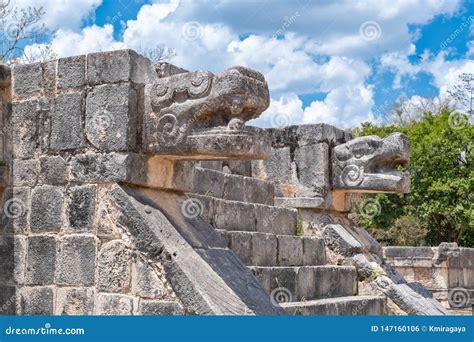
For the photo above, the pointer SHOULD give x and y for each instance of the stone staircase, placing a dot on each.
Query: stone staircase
(293, 269)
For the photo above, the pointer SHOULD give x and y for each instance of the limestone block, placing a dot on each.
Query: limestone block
(15, 211)
(47, 204)
(407, 252)
(119, 66)
(290, 250)
(92, 167)
(257, 191)
(81, 208)
(106, 229)
(234, 188)
(311, 134)
(77, 260)
(66, 122)
(239, 167)
(145, 281)
(312, 162)
(25, 172)
(314, 251)
(275, 220)
(241, 244)
(161, 308)
(112, 304)
(75, 301)
(264, 249)
(41, 259)
(466, 258)
(208, 182)
(242, 217)
(24, 128)
(8, 300)
(277, 165)
(53, 170)
(38, 300)
(277, 277)
(113, 267)
(111, 117)
(49, 78)
(12, 259)
(27, 80)
(71, 72)
(326, 281)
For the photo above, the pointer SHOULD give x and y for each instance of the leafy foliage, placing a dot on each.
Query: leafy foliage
(441, 170)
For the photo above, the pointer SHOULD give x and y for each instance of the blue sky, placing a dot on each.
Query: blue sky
(341, 62)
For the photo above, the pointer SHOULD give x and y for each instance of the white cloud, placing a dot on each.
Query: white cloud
(90, 39)
(445, 72)
(285, 111)
(343, 107)
(320, 50)
(62, 14)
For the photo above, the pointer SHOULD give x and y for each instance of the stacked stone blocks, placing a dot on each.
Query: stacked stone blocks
(73, 127)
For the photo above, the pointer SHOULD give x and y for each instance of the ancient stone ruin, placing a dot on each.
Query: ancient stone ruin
(137, 189)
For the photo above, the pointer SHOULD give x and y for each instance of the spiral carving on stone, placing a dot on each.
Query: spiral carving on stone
(170, 131)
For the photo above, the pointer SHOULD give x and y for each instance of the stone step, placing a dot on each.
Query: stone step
(250, 217)
(346, 306)
(232, 187)
(264, 249)
(308, 282)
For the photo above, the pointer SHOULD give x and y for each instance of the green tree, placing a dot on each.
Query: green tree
(440, 205)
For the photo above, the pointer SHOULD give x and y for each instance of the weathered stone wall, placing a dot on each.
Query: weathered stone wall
(320, 170)
(299, 164)
(446, 271)
(72, 124)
